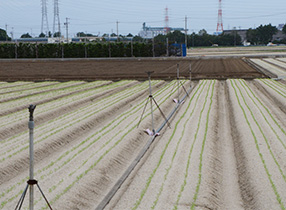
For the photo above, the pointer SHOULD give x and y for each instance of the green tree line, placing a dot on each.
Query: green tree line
(81, 50)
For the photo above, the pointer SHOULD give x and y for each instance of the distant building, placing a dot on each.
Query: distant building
(148, 32)
(279, 36)
(280, 26)
(240, 32)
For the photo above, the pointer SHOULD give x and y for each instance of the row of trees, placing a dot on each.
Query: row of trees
(200, 39)
(82, 50)
(262, 34)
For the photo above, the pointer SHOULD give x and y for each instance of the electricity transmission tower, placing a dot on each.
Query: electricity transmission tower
(219, 19)
(56, 18)
(45, 24)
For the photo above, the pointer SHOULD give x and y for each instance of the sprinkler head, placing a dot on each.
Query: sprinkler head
(31, 110)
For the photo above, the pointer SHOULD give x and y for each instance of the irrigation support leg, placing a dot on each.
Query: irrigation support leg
(152, 114)
(178, 81)
(161, 112)
(20, 203)
(143, 112)
(185, 89)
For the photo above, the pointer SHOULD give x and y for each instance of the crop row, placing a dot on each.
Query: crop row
(75, 151)
(175, 137)
(57, 100)
(65, 121)
(252, 122)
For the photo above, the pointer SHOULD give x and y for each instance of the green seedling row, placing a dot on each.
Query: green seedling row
(278, 197)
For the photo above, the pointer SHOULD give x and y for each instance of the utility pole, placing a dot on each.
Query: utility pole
(193, 37)
(117, 30)
(153, 44)
(186, 35)
(109, 49)
(131, 46)
(67, 29)
(12, 33)
(85, 50)
(167, 47)
(234, 29)
(6, 32)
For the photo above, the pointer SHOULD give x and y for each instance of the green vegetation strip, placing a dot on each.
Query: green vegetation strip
(278, 197)
(273, 88)
(72, 92)
(263, 134)
(202, 151)
(178, 143)
(101, 157)
(281, 85)
(87, 115)
(27, 87)
(244, 85)
(138, 202)
(50, 105)
(54, 106)
(277, 85)
(52, 163)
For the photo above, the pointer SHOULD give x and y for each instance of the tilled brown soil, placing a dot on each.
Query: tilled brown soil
(116, 69)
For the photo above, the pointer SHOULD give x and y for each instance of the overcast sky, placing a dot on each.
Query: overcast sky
(93, 16)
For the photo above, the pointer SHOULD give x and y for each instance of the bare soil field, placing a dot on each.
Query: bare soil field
(117, 69)
(225, 149)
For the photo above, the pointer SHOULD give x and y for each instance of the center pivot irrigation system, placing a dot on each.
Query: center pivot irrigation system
(31, 182)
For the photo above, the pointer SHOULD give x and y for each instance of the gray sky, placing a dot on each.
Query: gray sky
(93, 16)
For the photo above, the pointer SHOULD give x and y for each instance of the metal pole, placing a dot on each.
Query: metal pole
(117, 30)
(109, 50)
(16, 50)
(67, 29)
(186, 36)
(85, 51)
(150, 96)
(153, 44)
(132, 47)
(167, 48)
(6, 32)
(31, 134)
(178, 83)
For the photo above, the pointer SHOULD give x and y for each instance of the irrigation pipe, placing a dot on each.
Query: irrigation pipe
(121, 180)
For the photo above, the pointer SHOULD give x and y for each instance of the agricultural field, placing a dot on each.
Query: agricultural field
(125, 68)
(276, 67)
(225, 147)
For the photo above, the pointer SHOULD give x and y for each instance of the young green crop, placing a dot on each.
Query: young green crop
(278, 197)
(179, 141)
